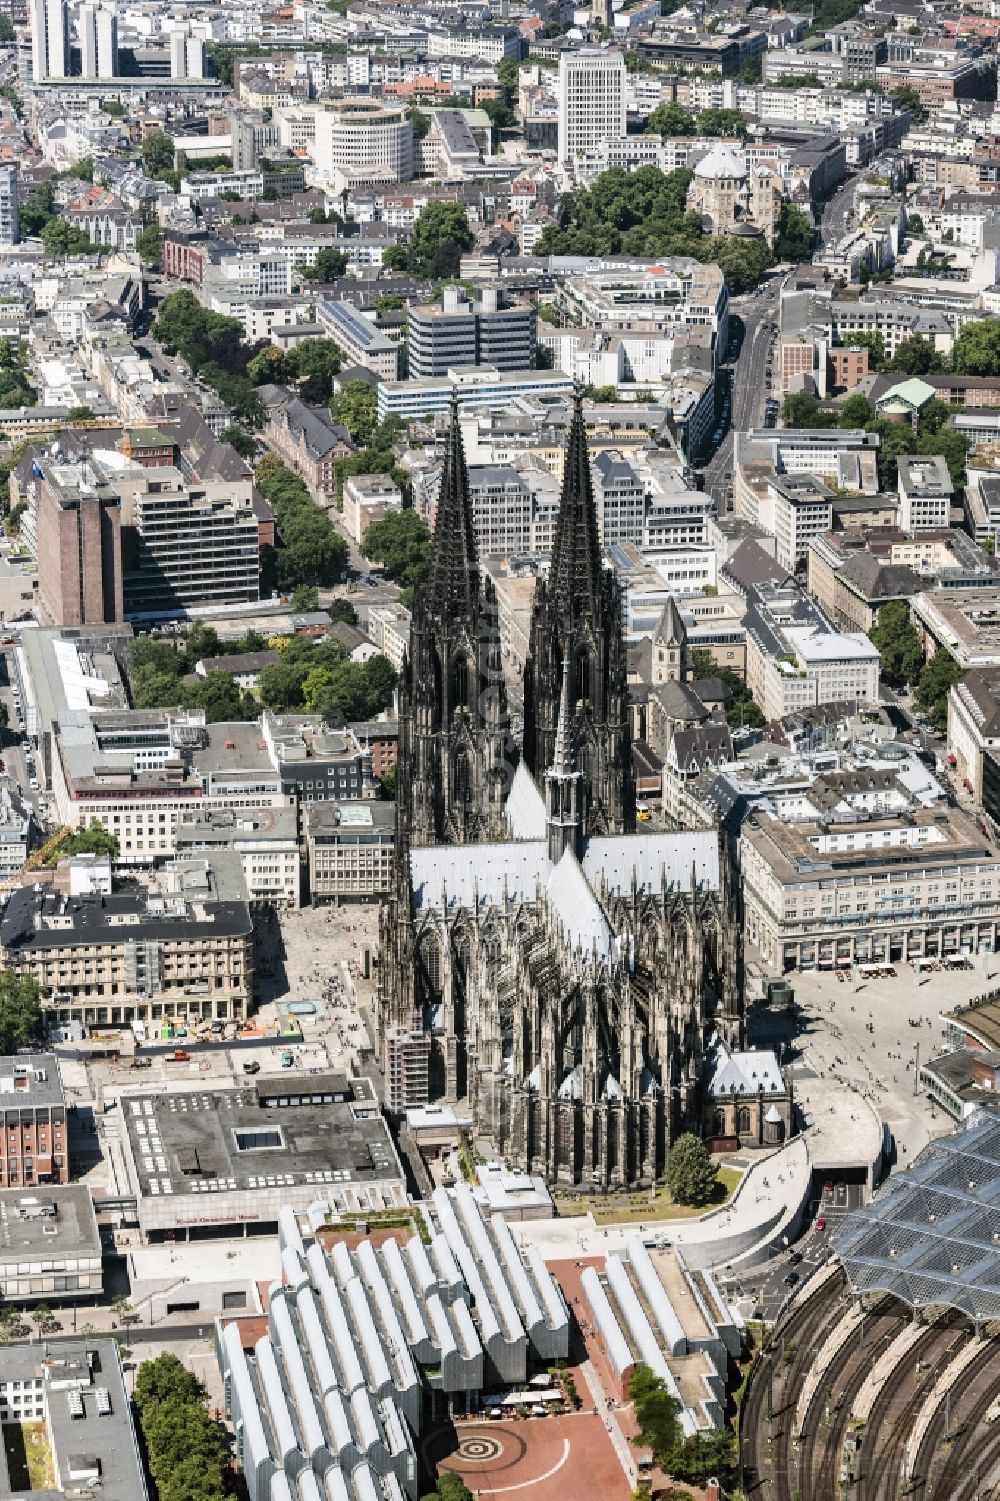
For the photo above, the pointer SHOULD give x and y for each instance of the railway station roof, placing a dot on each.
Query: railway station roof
(931, 1236)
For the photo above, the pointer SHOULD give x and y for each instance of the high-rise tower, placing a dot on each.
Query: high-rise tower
(576, 632)
(454, 757)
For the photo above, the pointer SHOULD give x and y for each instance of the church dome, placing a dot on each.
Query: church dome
(721, 161)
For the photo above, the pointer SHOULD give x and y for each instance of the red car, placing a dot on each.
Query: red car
(820, 1224)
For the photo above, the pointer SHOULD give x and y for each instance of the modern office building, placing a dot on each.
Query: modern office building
(364, 137)
(358, 337)
(475, 386)
(206, 1163)
(78, 531)
(98, 41)
(9, 232)
(192, 541)
(34, 1146)
(50, 1248)
(266, 840)
(350, 847)
(74, 1391)
(487, 330)
(795, 659)
(591, 94)
(49, 40)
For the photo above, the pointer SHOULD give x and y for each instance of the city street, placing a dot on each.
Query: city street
(748, 384)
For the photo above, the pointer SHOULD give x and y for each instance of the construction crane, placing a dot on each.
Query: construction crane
(35, 860)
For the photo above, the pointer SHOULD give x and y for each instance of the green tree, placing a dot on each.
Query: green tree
(899, 649)
(356, 406)
(909, 99)
(279, 686)
(113, 107)
(20, 1011)
(328, 265)
(794, 234)
(80, 414)
(895, 440)
(722, 122)
(240, 439)
(700, 1456)
(799, 409)
(977, 348)
(933, 685)
(149, 244)
(267, 367)
(601, 393)
(950, 445)
(92, 840)
(37, 209)
(304, 599)
(166, 1379)
(395, 258)
(914, 224)
(61, 238)
(313, 364)
(10, 1324)
(656, 1413)
(157, 152)
(690, 1174)
(670, 120)
(441, 235)
(916, 356)
(41, 1317)
(342, 609)
(401, 543)
(7, 32)
(856, 411)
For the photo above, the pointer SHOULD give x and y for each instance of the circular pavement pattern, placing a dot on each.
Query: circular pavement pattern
(497, 1449)
(480, 1449)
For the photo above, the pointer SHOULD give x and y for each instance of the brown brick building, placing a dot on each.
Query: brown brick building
(34, 1146)
(79, 535)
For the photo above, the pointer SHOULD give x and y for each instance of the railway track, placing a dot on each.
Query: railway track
(799, 1327)
(822, 1480)
(974, 1442)
(972, 1380)
(881, 1456)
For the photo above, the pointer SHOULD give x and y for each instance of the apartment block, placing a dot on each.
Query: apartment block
(795, 659)
(182, 951)
(34, 1145)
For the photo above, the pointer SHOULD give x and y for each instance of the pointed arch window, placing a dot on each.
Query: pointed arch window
(430, 960)
(460, 681)
(581, 682)
(463, 778)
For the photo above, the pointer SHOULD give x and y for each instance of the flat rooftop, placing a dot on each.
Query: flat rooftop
(91, 1438)
(30, 1080)
(255, 1137)
(50, 1223)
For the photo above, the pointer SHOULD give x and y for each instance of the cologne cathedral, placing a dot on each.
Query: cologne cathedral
(570, 970)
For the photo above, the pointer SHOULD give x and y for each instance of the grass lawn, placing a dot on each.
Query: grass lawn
(638, 1208)
(29, 1458)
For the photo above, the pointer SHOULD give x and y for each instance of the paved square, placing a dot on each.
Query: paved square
(541, 1459)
